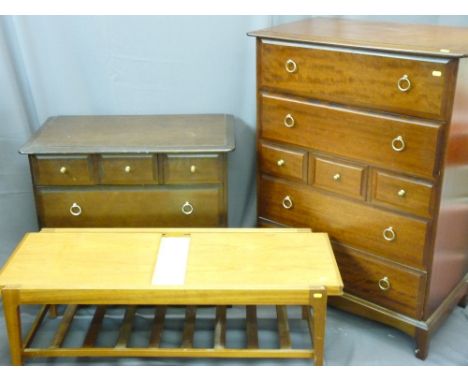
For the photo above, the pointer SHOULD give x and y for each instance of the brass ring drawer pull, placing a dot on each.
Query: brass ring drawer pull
(404, 84)
(398, 144)
(187, 208)
(280, 162)
(75, 209)
(384, 283)
(193, 168)
(127, 169)
(290, 66)
(289, 120)
(63, 170)
(389, 234)
(287, 202)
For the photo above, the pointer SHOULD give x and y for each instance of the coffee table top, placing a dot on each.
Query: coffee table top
(218, 260)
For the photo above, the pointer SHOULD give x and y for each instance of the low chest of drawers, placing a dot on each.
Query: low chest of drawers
(363, 133)
(131, 171)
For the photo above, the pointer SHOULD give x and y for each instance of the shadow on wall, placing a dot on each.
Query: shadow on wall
(242, 177)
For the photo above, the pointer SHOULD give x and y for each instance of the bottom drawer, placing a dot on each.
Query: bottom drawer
(390, 286)
(157, 207)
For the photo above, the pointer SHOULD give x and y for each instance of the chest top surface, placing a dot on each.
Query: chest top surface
(133, 134)
(434, 40)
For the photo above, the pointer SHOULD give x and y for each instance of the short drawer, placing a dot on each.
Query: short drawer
(391, 286)
(402, 193)
(399, 144)
(396, 237)
(62, 170)
(398, 83)
(120, 169)
(283, 162)
(155, 207)
(192, 168)
(343, 178)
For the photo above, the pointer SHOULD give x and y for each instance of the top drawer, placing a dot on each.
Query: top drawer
(203, 168)
(62, 170)
(396, 83)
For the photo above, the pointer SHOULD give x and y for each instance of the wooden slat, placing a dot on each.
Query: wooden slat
(170, 353)
(189, 327)
(220, 328)
(251, 327)
(64, 326)
(94, 327)
(158, 327)
(36, 324)
(126, 328)
(283, 327)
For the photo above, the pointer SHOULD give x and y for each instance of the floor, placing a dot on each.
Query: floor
(350, 340)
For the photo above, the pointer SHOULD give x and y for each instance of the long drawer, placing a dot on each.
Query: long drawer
(398, 144)
(145, 207)
(383, 283)
(397, 83)
(396, 237)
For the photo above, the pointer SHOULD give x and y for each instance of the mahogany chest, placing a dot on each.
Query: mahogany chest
(131, 171)
(363, 133)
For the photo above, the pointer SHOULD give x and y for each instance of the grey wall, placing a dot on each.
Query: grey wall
(129, 65)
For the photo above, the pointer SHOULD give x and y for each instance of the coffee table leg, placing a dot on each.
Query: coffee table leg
(319, 303)
(13, 324)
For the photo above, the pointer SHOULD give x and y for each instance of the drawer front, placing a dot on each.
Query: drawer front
(352, 223)
(123, 208)
(363, 136)
(401, 84)
(283, 162)
(192, 169)
(62, 170)
(384, 284)
(343, 178)
(402, 193)
(116, 169)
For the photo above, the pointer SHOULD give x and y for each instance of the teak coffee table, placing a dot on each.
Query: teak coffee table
(196, 267)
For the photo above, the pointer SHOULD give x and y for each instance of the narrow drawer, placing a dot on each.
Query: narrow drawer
(121, 169)
(343, 178)
(156, 207)
(403, 84)
(192, 168)
(62, 170)
(399, 144)
(396, 237)
(283, 162)
(402, 193)
(382, 283)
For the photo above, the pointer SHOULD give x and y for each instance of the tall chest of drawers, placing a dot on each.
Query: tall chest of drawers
(363, 133)
(131, 171)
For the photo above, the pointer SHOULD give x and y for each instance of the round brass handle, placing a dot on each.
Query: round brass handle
(290, 66)
(289, 120)
(389, 234)
(187, 208)
(384, 283)
(280, 163)
(337, 177)
(401, 193)
(75, 209)
(127, 169)
(404, 84)
(398, 144)
(193, 168)
(63, 170)
(287, 202)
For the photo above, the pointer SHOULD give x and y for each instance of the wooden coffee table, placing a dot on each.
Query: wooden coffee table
(223, 267)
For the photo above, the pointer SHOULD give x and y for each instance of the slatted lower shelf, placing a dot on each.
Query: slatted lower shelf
(90, 348)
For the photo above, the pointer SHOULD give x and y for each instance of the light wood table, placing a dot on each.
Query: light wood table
(224, 267)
